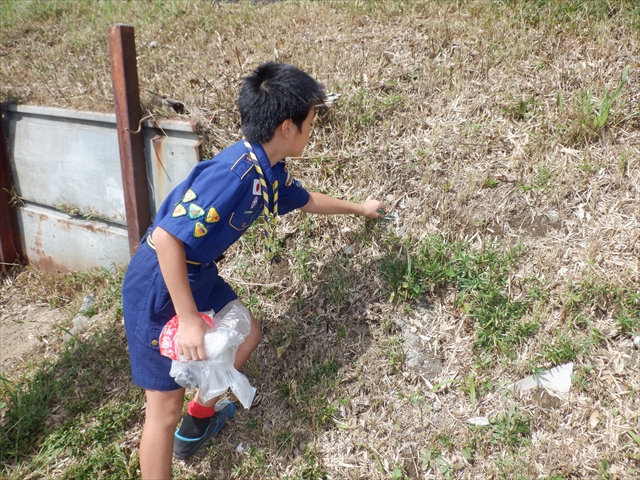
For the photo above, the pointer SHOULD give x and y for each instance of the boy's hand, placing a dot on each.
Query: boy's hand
(190, 337)
(373, 208)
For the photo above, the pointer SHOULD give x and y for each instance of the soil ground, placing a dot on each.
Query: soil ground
(504, 135)
(25, 330)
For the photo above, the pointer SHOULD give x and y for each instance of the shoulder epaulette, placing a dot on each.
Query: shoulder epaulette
(242, 166)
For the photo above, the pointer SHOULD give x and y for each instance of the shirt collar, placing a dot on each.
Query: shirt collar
(265, 164)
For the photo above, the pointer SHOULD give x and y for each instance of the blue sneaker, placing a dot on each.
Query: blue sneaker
(184, 447)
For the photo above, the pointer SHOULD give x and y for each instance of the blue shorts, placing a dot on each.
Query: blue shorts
(147, 307)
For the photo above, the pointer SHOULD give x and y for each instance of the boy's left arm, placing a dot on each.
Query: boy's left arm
(325, 204)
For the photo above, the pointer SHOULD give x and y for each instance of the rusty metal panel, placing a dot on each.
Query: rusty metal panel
(173, 149)
(66, 159)
(10, 252)
(63, 159)
(54, 241)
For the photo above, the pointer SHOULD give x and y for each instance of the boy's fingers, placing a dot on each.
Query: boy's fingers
(202, 353)
(186, 353)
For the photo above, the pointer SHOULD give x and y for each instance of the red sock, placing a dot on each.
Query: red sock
(196, 410)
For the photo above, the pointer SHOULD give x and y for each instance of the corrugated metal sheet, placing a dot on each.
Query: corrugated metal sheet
(66, 158)
(67, 161)
(58, 242)
(172, 150)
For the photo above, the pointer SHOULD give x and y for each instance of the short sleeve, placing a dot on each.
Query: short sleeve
(209, 196)
(291, 193)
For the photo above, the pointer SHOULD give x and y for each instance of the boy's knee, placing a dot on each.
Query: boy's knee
(255, 337)
(164, 409)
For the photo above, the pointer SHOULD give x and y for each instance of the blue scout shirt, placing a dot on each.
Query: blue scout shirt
(221, 198)
(209, 211)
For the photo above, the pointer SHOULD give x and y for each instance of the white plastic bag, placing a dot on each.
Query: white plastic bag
(214, 376)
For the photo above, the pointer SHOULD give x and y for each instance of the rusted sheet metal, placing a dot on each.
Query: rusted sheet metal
(124, 75)
(56, 242)
(66, 159)
(10, 251)
(173, 149)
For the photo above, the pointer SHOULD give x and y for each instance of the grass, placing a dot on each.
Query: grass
(308, 395)
(592, 115)
(481, 282)
(472, 121)
(58, 410)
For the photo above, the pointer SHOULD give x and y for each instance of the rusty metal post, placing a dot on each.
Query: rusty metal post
(124, 75)
(10, 247)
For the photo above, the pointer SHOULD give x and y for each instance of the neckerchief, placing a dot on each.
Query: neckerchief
(269, 216)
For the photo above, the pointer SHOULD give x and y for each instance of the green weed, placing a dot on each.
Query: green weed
(252, 464)
(480, 278)
(391, 100)
(471, 389)
(307, 392)
(540, 180)
(520, 109)
(73, 386)
(561, 349)
(572, 15)
(311, 470)
(604, 470)
(588, 167)
(303, 267)
(591, 115)
(491, 182)
(392, 349)
(594, 298)
(511, 429)
(339, 284)
(362, 110)
(432, 458)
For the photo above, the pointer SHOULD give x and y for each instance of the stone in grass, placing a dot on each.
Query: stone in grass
(636, 342)
(417, 357)
(81, 322)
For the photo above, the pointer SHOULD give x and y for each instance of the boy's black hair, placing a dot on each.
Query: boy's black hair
(273, 93)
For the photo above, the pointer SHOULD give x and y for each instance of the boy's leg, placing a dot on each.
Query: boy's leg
(245, 350)
(162, 415)
(198, 421)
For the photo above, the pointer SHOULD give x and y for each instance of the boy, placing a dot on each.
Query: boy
(174, 270)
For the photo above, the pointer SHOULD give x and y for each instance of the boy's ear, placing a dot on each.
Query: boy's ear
(286, 128)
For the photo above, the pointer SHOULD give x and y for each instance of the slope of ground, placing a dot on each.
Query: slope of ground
(503, 135)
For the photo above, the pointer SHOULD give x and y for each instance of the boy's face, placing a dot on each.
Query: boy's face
(299, 139)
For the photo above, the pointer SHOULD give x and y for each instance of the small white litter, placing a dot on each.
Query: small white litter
(557, 379)
(480, 421)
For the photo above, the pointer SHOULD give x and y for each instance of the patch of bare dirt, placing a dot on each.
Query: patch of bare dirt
(26, 329)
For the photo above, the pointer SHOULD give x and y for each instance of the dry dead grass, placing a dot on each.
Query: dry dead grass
(451, 113)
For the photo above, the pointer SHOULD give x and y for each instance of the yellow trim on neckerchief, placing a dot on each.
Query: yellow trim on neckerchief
(269, 217)
(150, 243)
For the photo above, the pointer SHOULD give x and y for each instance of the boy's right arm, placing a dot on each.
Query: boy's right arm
(173, 265)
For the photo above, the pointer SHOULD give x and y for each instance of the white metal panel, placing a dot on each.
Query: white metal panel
(55, 241)
(67, 161)
(172, 151)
